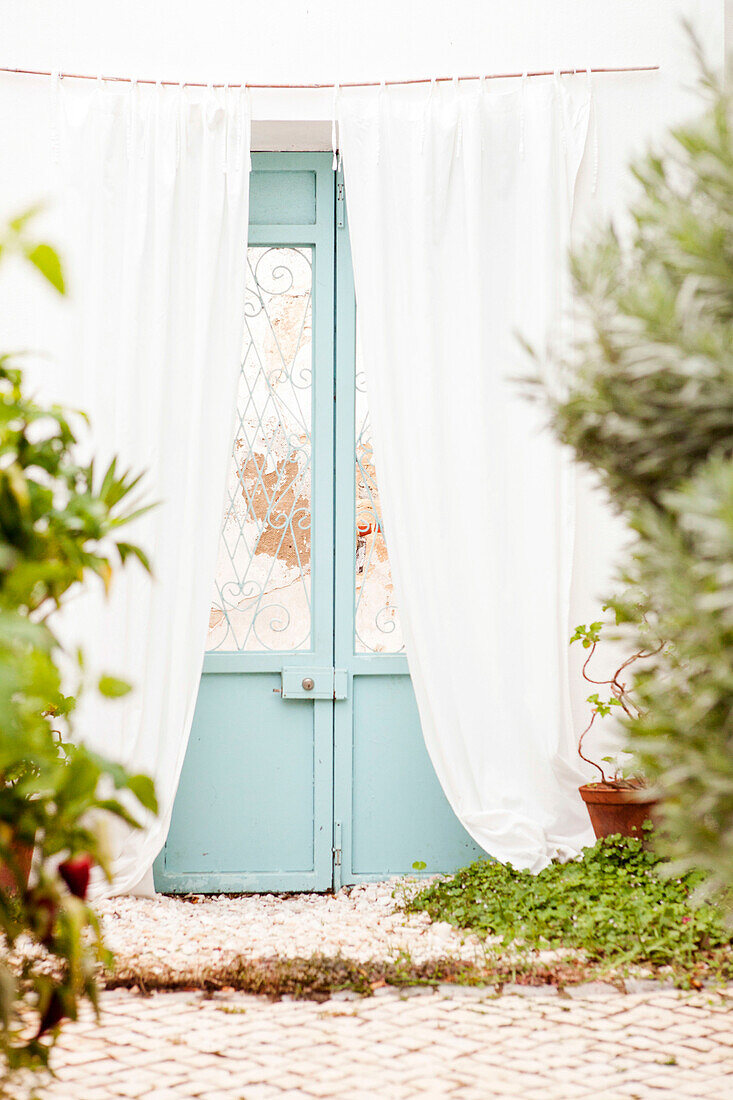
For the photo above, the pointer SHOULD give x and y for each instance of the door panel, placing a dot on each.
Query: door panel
(278, 196)
(254, 810)
(238, 811)
(400, 814)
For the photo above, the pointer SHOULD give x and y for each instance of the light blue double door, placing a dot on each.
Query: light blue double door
(306, 766)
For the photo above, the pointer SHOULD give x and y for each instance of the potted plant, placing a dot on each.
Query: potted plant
(18, 830)
(618, 802)
(16, 852)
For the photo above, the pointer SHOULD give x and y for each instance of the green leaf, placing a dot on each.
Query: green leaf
(128, 549)
(112, 687)
(46, 259)
(17, 224)
(143, 788)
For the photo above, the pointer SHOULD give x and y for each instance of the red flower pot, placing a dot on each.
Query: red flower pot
(23, 854)
(617, 809)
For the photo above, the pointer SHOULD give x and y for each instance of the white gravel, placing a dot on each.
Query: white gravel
(359, 922)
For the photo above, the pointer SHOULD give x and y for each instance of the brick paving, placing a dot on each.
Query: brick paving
(463, 1043)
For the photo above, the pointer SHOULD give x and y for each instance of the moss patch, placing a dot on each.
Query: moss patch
(318, 976)
(315, 977)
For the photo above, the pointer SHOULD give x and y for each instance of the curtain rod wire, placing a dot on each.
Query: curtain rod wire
(351, 84)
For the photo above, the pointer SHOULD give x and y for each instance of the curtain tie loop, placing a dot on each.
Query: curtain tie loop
(217, 95)
(55, 113)
(210, 101)
(131, 117)
(334, 135)
(227, 125)
(522, 113)
(563, 129)
(180, 121)
(380, 104)
(459, 124)
(426, 111)
(239, 129)
(247, 119)
(593, 123)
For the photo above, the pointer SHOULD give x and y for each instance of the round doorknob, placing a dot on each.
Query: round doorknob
(308, 684)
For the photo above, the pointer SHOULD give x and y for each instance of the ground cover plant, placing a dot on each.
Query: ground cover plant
(646, 402)
(616, 905)
(59, 525)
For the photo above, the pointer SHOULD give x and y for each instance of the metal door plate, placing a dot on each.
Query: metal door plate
(328, 683)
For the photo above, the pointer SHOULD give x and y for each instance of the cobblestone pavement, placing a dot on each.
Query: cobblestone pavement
(465, 1043)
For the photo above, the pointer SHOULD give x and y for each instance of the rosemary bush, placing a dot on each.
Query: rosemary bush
(649, 407)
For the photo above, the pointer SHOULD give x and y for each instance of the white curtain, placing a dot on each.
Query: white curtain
(158, 187)
(460, 201)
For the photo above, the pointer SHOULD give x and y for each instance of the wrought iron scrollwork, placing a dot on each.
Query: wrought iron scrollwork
(263, 593)
(376, 620)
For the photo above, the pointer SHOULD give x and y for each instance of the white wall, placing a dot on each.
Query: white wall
(294, 41)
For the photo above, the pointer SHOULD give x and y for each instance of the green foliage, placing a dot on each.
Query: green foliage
(16, 240)
(684, 735)
(651, 375)
(618, 694)
(58, 524)
(647, 403)
(587, 635)
(602, 707)
(112, 687)
(616, 904)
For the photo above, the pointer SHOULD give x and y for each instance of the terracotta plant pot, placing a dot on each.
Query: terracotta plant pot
(24, 856)
(617, 809)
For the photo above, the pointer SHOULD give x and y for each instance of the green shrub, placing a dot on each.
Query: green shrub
(58, 525)
(650, 377)
(683, 560)
(647, 404)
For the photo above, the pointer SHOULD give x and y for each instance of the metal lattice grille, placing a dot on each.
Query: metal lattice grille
(263, 578)
(376, 621)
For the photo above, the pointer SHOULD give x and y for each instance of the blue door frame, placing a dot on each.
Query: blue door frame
(282, 790)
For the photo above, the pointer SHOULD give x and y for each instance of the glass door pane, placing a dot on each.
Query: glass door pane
(263, 578)
(377, 626)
